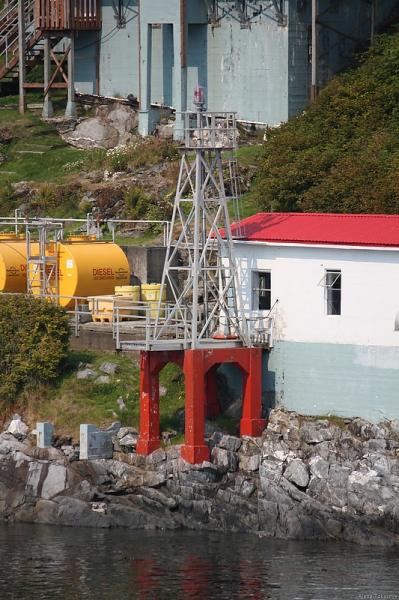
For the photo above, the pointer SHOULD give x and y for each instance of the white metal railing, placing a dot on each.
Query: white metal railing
(209, 130)
(113, 225)
(148, 321)
(135, 325)
(91, 223)
(9, 29)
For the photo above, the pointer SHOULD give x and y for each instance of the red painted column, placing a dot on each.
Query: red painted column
(149, 439)
(195, 450)
(252, 423)
(212, 404)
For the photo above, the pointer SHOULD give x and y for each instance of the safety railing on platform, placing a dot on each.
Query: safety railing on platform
(134, 326)
(208, 130)
(91, 225)
(53, 15)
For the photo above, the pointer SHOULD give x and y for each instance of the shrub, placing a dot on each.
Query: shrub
(342, 153)
(34, 343)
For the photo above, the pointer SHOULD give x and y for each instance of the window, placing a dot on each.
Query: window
(261, 290)
(332, 287)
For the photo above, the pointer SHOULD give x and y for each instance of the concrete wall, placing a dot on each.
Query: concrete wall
(146, 263)
(87, 51)
(345, 364)
(248, 70)
(340, 379)
(262, 70)
(119, 52)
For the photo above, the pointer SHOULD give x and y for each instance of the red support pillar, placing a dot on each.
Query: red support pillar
(195, 450)
(252, 423)
(149, 439)
(212, 404)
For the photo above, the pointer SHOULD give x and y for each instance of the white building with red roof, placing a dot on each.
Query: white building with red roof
(331, 283)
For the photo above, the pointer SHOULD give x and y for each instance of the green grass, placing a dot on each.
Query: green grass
(72, 401)
(333, 419)
(31, 133)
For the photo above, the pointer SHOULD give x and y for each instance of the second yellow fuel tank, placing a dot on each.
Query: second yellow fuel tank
(90, 268)
(12, 263)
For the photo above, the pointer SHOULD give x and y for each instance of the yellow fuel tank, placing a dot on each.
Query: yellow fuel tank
(90, 268)
(12, 263)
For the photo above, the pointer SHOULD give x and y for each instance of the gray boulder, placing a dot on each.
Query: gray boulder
(319, 467)
(125, 430)
(93, 133)
(225, 459)
(128, 443)
(367, 431)
(102, 379)
(314, 432)
(109, 368)
(230, 442)
(281, 421)
(249, 463)
(85, 374)
(18, 428)
(298, 473)
(112, 126)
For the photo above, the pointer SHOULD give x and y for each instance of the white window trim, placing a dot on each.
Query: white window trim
(255, 291)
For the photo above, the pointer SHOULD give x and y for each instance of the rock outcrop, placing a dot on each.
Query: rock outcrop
(303, 479)
(110, 127)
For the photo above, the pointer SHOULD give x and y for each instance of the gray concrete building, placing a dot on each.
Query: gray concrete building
(253, 57)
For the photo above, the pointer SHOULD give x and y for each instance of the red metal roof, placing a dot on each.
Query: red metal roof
(321, 228)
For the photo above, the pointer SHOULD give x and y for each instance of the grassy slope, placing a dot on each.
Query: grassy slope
(32, 134)
(74, 401)
(342, 153)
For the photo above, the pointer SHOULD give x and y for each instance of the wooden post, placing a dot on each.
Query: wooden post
(47, 104)
(313, 89)
(21, 56)
(71, 105)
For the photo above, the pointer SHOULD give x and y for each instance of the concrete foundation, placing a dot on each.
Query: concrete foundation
(95, 443)
(45, 432)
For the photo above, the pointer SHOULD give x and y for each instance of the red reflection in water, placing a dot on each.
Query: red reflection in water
(251, 584)
(195, 580)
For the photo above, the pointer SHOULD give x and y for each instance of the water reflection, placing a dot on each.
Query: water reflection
(48, 562)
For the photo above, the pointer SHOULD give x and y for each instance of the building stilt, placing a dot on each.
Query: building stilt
(70, 110)
(48, 111)
(199, 368)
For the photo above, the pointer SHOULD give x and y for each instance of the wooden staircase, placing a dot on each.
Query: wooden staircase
(9, 58)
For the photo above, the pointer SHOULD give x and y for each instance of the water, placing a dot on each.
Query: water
(55, 562)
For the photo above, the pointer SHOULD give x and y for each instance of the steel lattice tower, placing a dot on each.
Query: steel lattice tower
(206, 308)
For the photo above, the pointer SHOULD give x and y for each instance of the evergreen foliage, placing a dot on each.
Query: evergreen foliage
(34, 338)
(342, 153)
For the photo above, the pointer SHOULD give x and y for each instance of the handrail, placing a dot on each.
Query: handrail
(90, 221)
(68, 14)
(9, 30)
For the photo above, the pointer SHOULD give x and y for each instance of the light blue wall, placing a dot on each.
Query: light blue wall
(119, 57)
(86, 49)
(248, 70)
(261, 71)
(338, 379)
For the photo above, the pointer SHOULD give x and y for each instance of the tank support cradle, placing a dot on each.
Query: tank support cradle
(199, 368)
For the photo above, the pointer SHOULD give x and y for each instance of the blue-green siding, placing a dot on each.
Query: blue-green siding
(261, 71)
(340, 379)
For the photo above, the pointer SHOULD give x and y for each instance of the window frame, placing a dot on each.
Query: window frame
(256, 289)
(330, 303)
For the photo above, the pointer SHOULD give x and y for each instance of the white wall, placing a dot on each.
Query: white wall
(370, 293)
